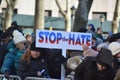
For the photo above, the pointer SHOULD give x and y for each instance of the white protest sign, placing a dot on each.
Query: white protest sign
(62, 39)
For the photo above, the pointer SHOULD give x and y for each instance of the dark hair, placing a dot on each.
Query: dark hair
(98, 29)
(14, 23)
(33, 47)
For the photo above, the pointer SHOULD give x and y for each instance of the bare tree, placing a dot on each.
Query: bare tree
(81, 14)
(116, 17)
(9, 13)
(39, 15)
(66, 15)
(0, 1)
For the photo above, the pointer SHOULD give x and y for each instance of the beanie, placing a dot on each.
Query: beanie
(92, 27)
(105, 56)
(114, 37)
(114, 47)
(18, 37)
(34, 48)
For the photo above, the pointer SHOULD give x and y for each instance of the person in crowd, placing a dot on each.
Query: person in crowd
(115, 49)
(117, 76)
(95, 41)
(5, 39)
(29, 38)
(14, 26)
(16, 49)
(115, 38)
(91, 27)
(99, 33)
(33, 63)
(55, 59)
(96, 68)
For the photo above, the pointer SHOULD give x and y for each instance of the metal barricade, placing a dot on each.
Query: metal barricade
(36, 78)
(12, 77)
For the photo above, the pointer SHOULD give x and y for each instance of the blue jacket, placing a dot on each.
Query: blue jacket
(12, 58)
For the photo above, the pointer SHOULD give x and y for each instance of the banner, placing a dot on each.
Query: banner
(62, 39)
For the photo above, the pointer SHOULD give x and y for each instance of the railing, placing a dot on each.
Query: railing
(36, 78)
(12, 77)
(15, 77)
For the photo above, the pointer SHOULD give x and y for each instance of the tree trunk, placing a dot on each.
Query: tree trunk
(81, 14)
(115, 22)
(39, 15)
(8, 17)
(9, 13)
(66, 15)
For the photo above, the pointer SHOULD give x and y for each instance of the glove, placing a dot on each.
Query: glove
(7, 74)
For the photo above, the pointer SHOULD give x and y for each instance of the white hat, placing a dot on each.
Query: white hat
(114, 47)
(18, 37)
(73, 62)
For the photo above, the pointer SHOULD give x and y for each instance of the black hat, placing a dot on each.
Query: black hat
(33, 47)
(105, 57)
(114, 37)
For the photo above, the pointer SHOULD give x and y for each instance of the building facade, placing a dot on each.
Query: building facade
(98, 7)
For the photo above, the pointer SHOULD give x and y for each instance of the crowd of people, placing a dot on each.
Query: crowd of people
(19, 56)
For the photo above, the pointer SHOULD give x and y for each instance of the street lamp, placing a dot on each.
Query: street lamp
(102, 19)
(73, 9)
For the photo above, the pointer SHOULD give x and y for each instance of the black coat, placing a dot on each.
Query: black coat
(87, 70)
(26, 69)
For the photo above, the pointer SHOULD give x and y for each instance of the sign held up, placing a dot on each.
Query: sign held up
(62, 39)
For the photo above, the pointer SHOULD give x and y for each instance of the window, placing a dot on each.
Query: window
(15, 10)
(48, 13)
(96, 15)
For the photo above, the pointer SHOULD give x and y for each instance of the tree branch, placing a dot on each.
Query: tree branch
(60, 8)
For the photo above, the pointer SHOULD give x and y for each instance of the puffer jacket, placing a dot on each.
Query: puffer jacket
(12, 58)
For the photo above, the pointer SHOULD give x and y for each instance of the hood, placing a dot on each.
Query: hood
(105, 56)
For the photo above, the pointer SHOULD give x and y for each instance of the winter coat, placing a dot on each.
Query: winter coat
(87, 70)
(30, 69)
(116, 64)
(12, 58)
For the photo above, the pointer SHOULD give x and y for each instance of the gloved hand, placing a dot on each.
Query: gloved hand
(7, 74)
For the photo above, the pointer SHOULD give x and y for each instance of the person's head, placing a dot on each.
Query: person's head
(34, 51)
(104, 59)
(91, 27)
(14, 24)
(115, 49)
(94, 38)
(28, 37)
(99, 30)
(115, 38)
(19, 40)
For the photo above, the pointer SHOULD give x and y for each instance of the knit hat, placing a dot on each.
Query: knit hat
(18, 37)
(33, 47)
(114, 37)
(92, 27)
(105, 56)
(114, 47)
